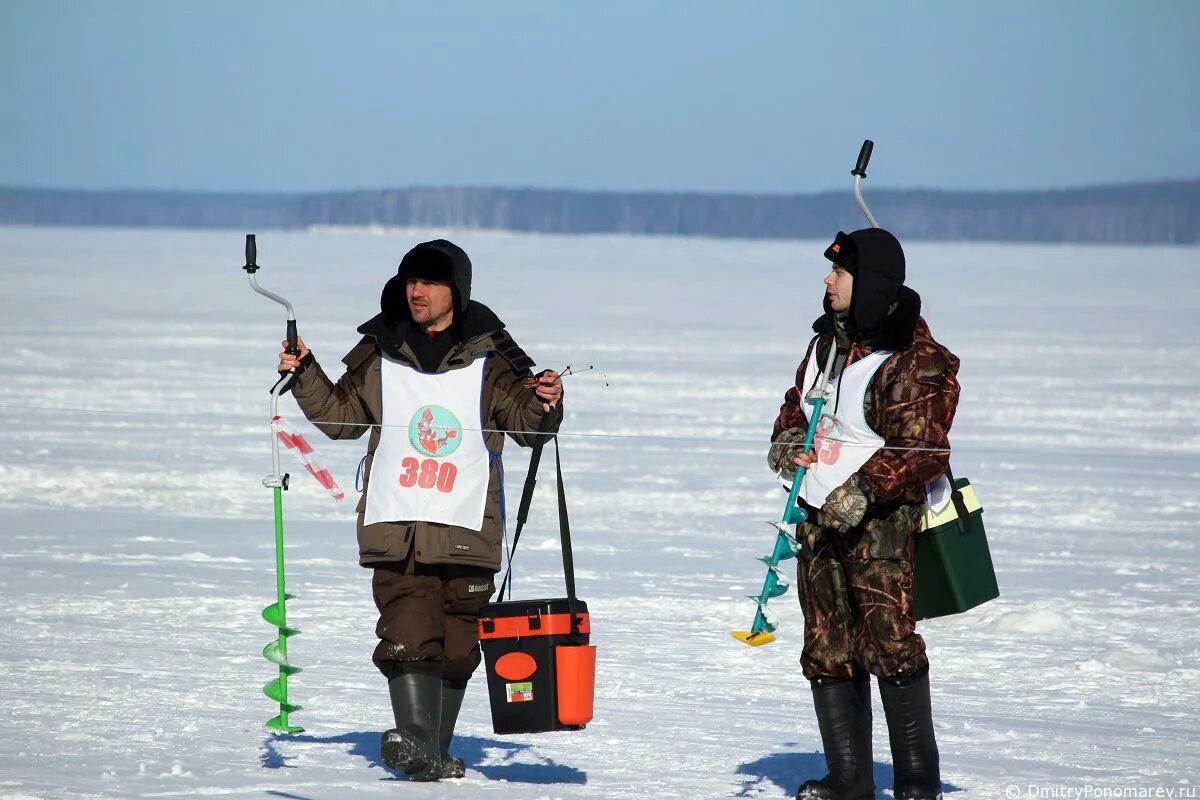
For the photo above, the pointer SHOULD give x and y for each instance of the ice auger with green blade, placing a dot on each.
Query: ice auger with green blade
(276, 613)
(762, 630)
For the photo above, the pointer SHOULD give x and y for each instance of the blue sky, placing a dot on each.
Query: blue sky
(690, 95)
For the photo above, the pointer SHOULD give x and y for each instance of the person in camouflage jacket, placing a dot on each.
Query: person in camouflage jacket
(855, 566)
(431, 574)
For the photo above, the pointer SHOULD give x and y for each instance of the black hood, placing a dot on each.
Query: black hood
(876, 260)
(894, 332)
(437, 260)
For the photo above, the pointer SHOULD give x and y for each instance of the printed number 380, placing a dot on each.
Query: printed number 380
(428, 474)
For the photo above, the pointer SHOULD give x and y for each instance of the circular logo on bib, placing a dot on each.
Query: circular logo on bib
(434, 430)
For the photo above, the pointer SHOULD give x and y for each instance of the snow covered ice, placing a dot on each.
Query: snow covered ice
(138, 542)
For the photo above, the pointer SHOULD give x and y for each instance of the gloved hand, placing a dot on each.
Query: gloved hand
(788, 445)
(845, 507)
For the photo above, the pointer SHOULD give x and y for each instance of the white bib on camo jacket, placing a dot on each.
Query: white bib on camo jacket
(431, 463)
(843, 443)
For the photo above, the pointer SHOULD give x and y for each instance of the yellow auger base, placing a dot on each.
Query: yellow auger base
(754, 639)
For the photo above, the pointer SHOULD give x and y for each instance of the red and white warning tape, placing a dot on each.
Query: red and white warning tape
(294, 440)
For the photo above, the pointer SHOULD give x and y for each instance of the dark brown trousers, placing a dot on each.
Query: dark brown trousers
(428, 613)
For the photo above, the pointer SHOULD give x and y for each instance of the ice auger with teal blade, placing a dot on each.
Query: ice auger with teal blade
(762, 630)
(276, 613)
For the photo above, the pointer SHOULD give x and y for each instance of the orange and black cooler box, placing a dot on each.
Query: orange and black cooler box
(541, 675)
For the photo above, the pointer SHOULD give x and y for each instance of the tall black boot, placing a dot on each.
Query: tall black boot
(910, 731)
(413, 745)
(844, 718)
(452, 700)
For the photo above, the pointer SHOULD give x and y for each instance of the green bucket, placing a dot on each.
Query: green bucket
(953, 566)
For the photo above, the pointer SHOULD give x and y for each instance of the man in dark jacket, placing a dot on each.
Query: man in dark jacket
(881, 438)
(437, 381)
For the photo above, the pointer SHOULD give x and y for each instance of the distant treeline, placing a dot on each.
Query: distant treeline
(1150, 213)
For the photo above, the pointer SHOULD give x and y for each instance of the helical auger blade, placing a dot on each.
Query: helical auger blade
(762, 631)
(774, 585)
(275, 690)
(276, 652)
(274, 614)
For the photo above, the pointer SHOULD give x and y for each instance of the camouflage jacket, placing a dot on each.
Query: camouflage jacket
(910, 402)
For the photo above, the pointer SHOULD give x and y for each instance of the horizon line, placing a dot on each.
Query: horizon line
(626, 192)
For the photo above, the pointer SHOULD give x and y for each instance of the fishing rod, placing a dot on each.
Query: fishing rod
(571, 370)
(762, 629)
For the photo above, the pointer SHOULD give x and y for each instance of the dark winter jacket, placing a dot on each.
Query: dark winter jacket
(910, 402)
(352, 406)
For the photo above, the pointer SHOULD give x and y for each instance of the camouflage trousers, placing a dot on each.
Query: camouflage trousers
(855, 590)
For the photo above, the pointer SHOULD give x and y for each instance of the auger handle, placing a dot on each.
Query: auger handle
(864, 158)
(859, 172)
(252, 267)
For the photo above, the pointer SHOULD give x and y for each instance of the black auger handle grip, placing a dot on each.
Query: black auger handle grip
(251, 254)
(864, 158)
(293, 349)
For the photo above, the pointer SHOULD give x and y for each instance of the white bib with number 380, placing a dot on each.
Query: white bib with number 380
(431, 463)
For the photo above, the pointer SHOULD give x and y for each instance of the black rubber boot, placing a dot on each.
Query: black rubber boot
(910, 731)
(452, 700)
(844, 718)
(412, 747)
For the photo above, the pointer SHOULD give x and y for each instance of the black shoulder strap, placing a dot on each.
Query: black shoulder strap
(960, 504)
(564, 531)
(535, 459)
(564, 526)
